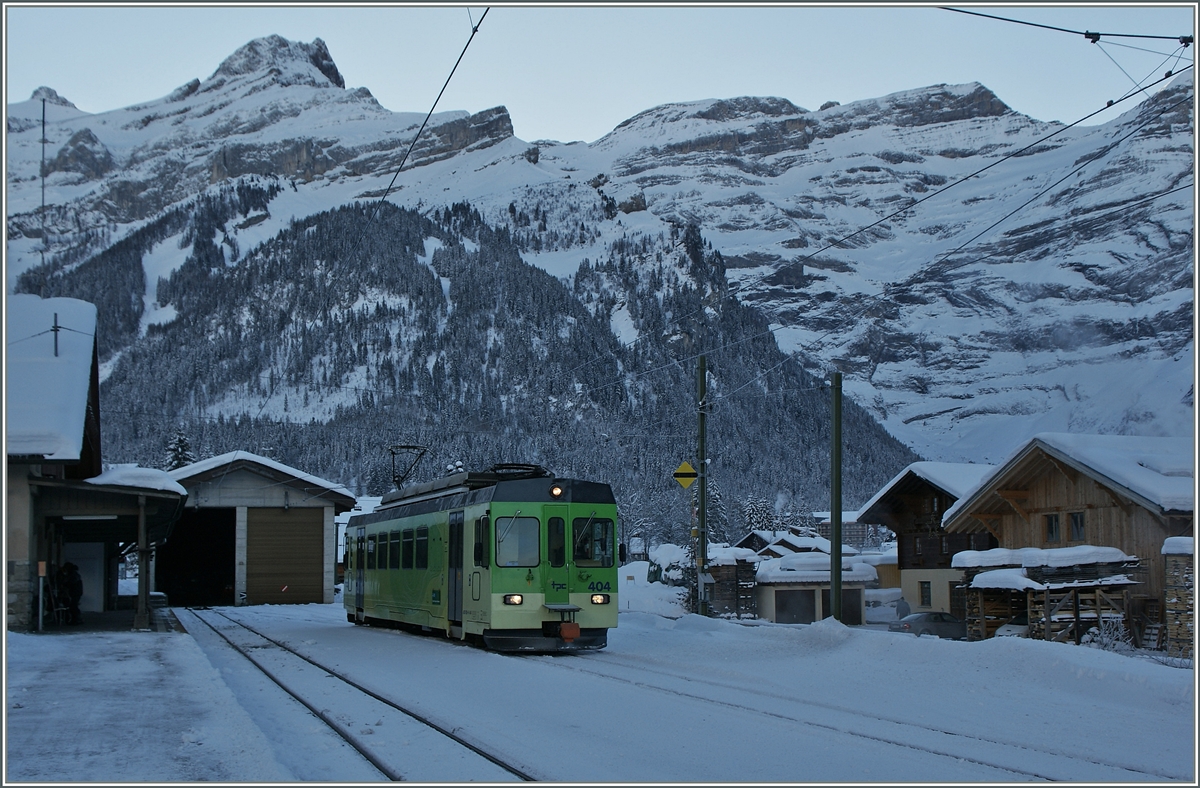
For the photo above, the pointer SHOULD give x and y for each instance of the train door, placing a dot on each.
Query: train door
(556, 555)
(454, 594)
(360, 539)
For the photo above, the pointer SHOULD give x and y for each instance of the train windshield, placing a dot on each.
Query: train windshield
(593, 541)
(517, 541)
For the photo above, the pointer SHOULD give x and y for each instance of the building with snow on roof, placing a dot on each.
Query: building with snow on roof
(1059, 490)
(61, 504)
(255, 531)
(795, 588)
(911, 506)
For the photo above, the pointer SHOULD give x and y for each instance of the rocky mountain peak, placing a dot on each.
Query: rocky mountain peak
(293, 61)
(51, 97)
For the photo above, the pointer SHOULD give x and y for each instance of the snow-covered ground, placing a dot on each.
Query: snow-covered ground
(674, 698)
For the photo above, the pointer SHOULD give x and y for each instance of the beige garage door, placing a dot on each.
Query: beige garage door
(284, 556)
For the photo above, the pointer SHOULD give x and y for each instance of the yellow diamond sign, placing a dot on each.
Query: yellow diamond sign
(685, 474)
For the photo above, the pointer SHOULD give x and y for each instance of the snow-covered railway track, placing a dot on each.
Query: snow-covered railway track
(355, 712)
(1022, 759)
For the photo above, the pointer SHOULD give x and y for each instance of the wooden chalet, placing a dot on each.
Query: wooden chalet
(1062, 490)
(911, 505)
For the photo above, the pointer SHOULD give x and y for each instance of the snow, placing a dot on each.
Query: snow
(135, 476)
(672, 699)
(813, 567)
(1177, 545)
(46, 394)
(212, 463)
(955, 478)
(1157, 469)
(1037, 556)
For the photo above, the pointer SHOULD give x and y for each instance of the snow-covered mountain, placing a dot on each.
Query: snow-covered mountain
(1042, 278)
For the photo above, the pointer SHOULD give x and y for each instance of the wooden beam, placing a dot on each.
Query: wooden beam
(1069, 473)
(1124, 506)
(988, 519)
(1012, 496)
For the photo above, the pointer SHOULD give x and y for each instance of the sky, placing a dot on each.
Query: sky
(673, 698)
(574, 72)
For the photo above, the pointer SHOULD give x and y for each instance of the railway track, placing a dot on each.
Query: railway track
(386, 733)
(1017, 758)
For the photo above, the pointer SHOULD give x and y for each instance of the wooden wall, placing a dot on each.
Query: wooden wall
(1107, 522)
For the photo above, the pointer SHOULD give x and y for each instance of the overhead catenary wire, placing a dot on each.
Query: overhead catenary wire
(1085, 33)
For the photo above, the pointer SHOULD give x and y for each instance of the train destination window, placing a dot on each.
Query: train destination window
(406, 559)
(481, 541)
(556, 541)
(394, 551)
(517, 541)
(422, 561)
(593, 541)
(371, 551)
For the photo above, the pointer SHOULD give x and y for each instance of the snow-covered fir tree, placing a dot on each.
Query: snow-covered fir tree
(179, 450)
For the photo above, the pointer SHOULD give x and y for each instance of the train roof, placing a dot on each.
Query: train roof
(469, 480)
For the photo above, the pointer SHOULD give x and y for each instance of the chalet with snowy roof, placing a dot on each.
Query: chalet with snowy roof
(789, 543)
(911, 505)
(1061, 490)
(61, 504)
(255, 531)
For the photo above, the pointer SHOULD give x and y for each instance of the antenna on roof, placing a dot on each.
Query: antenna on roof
(401, 448)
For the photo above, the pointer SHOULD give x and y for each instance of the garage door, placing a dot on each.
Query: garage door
(285, 556)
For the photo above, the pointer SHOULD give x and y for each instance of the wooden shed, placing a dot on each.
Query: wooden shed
(254, 531)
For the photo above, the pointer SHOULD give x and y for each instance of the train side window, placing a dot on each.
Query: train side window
(422, 558)
(381, 552)
(517, 541)
(406, 560)
(394, 551)
(481, 541)
(556, 541)
(593, 541)
(371, 551)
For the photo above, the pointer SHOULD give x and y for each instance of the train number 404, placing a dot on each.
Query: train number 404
(597, 585)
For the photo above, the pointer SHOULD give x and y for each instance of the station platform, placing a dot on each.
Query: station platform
(162, 619)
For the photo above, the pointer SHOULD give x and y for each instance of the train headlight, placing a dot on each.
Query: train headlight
(556, 491)
(513, 599)
(599, 599)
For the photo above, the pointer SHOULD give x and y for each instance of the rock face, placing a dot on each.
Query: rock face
(977, 275)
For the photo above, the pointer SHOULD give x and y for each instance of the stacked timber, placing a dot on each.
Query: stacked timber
(1180, 599)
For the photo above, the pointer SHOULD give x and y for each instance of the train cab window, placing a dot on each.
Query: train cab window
(593, 541)
(371, 551)
(517, 541)
(406, 556)
(556, 541)
(422, 557)
(394, 551)
(481, 541)
(381, 552)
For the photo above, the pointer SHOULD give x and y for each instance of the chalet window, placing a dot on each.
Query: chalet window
(1052, 528)
(1077, 532)
(945, 545)
(925, 587)
(917, 545)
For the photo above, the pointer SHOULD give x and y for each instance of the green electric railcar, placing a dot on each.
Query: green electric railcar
(513, 558)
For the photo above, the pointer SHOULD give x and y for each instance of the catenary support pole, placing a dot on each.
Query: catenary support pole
(702, 495)
(835, 500)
